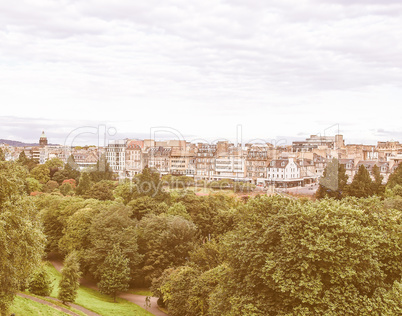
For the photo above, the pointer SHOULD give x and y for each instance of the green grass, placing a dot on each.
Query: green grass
(140, 291)
(25, 307)
(57, 303)
(97, 302)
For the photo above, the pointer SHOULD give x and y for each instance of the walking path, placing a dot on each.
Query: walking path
(133, 298)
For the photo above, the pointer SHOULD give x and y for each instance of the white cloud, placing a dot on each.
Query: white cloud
(204, 66)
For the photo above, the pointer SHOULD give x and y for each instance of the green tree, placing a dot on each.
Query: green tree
(55, 212)
(41, 173)
(179, 209)
(146, 205)
(362, 185)
(102, 170)
(396, 177)
(40, 283)
(165, 241)
(76, 234)
(66, 189)
(50, 186)
(70, 279)
(2, 155)
(54, 165)
(148, 183)
(84, 184)
(102, 190)
(22, 158)
(334, 181)
(176, 290)
(378, 187)
(291, 257)
(71, 169)
(112, 226)
(33, 185)
(116, 273)
(21, 237)
(60, 175)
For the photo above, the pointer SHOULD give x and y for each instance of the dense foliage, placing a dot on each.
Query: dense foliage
(215, 254)
(21, 236)
(288, 257)
(40, 283)
(70, 279)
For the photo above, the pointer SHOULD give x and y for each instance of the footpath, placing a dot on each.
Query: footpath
(133, 298)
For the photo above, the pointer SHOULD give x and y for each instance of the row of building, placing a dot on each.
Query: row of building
(298, 164)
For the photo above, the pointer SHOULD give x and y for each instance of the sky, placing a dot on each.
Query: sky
(204, 70)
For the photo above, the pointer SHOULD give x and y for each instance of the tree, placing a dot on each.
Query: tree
(71, 169)
(178, 209)
(59, 176)
(396, 177)
(2, 155)
(22, 158)
(378, 188)
(112, 226)
(102, 170)
(50, 186)
(33, 185)
(40, 283)
(76, 234)
(116, 273)
(146, 205)
(70, 279)
(68, 186)
(165, 241)
(21, 238)
(66, 189)
(54, 165)
(84, 184)
(41, 173)
(148, 183)
(55, 212)
(176, 290)
(102, 190)
(334, 181)
(362, 185)
(291, 257)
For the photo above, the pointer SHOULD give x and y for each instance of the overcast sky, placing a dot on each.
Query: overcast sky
(280, 69)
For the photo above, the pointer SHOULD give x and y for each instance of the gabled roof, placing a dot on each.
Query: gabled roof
(369, 164)
(280, 163)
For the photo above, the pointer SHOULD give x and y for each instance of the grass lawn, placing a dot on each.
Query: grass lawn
(25, 307)
(140, 291)
(97, 302)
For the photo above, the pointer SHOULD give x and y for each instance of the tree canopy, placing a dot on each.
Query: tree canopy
(21, 237)
(334, 181)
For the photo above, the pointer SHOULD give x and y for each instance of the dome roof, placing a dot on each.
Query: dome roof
(43, 135)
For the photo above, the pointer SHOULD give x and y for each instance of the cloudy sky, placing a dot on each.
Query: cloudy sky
(279, 69)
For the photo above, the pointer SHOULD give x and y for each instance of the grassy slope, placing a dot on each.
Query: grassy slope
(26, 307)
(97, 302)
(140, 291)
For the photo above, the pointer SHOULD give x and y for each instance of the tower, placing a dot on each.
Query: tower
(43, 140)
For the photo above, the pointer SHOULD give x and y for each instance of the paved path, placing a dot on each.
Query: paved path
(38, 300)
(134, 298)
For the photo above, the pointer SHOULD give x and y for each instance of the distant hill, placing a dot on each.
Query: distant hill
(19, 144)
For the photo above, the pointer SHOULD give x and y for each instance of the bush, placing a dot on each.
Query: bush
(40, 284)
